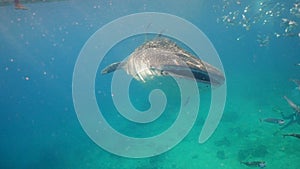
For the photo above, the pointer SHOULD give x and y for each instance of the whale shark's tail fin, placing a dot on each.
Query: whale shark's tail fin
(111, 68)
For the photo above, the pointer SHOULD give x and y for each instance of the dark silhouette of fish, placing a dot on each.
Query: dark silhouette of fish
(292, 135)
(223, 142)
(163, 57)
(260, 164)
(273, 120)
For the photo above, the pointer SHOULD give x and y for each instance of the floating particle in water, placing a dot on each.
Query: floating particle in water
(277, 35)
(27, 78)
(246, 9)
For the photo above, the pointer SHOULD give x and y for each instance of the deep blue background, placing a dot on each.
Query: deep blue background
(39, 128)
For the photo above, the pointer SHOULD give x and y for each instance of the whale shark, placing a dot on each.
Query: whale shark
(163, 57)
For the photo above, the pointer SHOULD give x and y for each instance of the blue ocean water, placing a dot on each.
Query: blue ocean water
(39, 48)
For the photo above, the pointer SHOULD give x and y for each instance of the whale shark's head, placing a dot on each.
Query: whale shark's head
(162, 57)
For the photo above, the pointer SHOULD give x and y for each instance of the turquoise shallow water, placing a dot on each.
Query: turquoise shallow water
(39, 48)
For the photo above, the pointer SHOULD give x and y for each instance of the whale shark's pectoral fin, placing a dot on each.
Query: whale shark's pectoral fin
(186, 72)
(112, 67)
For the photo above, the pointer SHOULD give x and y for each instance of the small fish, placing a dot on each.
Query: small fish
(292, 134)
(260, 164)
(277, 109)
(296, 81)
(273, 120)
(297, 64)
(292, 104)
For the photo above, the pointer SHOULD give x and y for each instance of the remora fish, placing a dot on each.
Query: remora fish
(162, 57)
(273, 120)
(260, 164)
(292, 134)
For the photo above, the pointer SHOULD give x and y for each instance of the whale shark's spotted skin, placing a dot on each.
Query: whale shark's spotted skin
(163, 57)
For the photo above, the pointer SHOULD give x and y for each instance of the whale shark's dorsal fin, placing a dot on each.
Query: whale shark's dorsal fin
(112, 67)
